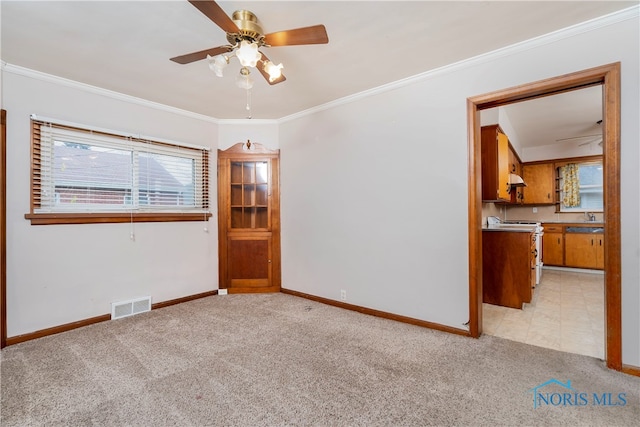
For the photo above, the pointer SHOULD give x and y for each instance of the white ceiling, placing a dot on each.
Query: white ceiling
(125, 46)
(570, 118)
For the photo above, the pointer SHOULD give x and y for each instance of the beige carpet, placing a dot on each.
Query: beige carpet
(275, 359)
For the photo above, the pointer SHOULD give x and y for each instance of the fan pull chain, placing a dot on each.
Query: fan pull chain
(248, 107)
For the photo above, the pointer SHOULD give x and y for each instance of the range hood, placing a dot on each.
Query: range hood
(516, 180)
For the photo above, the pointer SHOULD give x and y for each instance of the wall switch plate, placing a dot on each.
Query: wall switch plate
(222, 291)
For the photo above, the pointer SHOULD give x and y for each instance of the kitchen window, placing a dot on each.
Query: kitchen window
(588, 186)
(80, 175)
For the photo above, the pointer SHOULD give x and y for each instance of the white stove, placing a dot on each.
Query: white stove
(537, 236)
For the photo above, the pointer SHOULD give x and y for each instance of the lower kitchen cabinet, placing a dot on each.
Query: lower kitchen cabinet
(553, 245)
(584, 250)
(508, 267)
(573, 245)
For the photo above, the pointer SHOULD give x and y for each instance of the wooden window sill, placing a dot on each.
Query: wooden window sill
(119, 217)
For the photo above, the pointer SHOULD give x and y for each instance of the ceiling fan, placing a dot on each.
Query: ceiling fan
(588, 139)
(245, 36)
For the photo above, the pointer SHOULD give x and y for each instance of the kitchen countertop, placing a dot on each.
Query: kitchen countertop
(518, 228)
(575, 223)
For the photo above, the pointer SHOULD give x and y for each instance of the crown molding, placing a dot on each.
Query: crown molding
(591, 25)
(50, 78)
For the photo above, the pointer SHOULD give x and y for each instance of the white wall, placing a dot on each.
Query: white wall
(374, 191)
(265, 132)
(499, 116)
(374, 194)
(560, 151)
(58, 274)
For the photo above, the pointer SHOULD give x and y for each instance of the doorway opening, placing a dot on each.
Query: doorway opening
(608, 76)
(566, 311)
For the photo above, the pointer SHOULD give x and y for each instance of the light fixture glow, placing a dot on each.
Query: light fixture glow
(248, 54)
(274, 71)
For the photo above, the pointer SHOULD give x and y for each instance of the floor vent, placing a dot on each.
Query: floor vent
(129, 308)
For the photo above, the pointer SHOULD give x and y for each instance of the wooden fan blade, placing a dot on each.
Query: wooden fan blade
(263, 60)
(197, 56)
(214, 12)
(316, 34)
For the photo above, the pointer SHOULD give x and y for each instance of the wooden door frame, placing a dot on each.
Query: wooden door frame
(3, 228)
(608, 76)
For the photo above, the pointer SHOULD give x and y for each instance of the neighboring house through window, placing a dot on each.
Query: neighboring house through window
(80, 175)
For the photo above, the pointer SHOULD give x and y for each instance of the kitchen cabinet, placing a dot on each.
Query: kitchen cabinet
(248, 219)
(584, 249)
(573, 245)
(553, 245)
(540, 180)
(599, 252)
(515, 167)
(508, 267)
(514, 162)
(495, 164)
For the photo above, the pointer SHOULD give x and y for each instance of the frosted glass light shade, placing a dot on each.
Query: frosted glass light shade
(274, 71)
(248, 54)
(244, 79)
(217, 64)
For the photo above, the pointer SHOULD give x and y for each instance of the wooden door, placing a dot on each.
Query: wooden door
(495, 164)
(599, 243)
(553, 246)
(249, 219)
(3, 229)
(249, 261)
(503, 167)
(580, 250)
(540, 180)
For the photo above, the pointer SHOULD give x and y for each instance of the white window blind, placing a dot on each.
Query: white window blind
(80, 170)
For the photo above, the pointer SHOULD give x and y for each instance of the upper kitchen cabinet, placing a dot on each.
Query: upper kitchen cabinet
(495, 165)
(540, 179)
(515, 167)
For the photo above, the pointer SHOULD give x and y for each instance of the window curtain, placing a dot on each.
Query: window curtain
(570, 186)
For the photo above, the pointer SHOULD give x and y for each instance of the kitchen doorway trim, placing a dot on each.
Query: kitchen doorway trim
(608, 76)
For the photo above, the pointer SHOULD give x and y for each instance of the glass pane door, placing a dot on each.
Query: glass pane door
(249, 194)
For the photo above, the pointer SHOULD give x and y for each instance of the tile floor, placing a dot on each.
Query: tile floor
(566, 314)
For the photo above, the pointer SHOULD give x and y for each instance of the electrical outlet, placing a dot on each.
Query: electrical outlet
(535, 210)
(343, 295)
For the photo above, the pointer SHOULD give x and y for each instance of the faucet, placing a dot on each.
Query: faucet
(590, 216)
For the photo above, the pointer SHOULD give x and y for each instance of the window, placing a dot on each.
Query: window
(589, 185)
(81, 175)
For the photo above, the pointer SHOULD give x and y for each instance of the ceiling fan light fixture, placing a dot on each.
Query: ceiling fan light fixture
(218, 63)
(248, 54)
(244, 79)
(274, 71)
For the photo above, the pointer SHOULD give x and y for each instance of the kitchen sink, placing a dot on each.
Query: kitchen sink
(584, 230)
